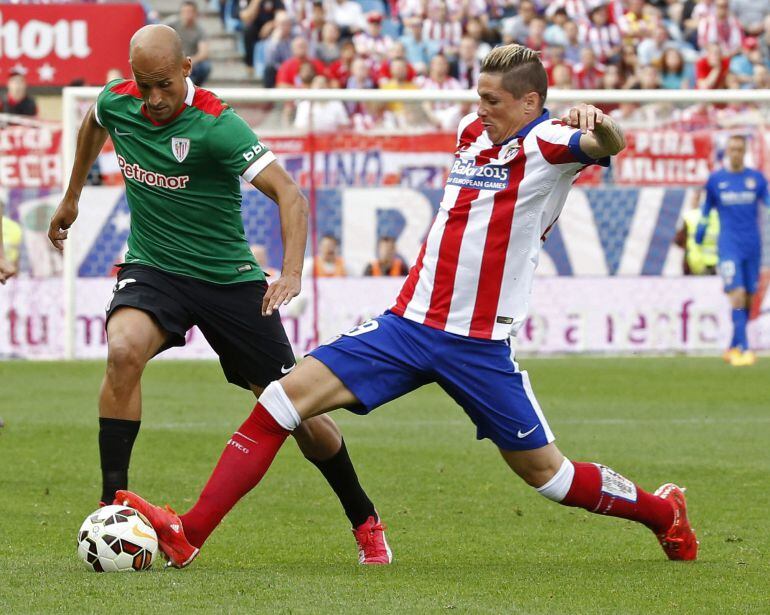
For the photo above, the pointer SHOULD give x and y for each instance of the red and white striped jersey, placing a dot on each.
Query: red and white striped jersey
(474, 273)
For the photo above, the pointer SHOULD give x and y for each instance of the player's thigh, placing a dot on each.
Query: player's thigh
(313, 389)
(147, 304)
(376, 362)
(731, 271)
(495, 394)
(133, 336)
(253, 349)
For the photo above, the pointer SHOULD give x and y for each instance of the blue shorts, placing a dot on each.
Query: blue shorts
(389, 356)
(740, 271)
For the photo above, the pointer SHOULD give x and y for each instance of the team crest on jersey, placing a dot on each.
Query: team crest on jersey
(180, 147)
(751, 183)
(510, 151)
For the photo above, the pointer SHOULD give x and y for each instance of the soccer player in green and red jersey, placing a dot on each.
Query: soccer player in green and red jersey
(182, 152)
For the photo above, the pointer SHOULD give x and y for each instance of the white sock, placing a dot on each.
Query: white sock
(557, 488)
(278, 404)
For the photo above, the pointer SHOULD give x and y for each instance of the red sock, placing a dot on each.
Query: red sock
(601, 490)
(243, 463)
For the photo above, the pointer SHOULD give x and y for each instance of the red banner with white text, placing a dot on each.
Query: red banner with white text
(30, 155)
(58, 44)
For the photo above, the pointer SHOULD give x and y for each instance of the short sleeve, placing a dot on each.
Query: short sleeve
(101, 106)
(559, 145)
(233, 143)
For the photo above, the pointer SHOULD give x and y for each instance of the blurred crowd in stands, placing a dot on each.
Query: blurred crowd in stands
(439, 44)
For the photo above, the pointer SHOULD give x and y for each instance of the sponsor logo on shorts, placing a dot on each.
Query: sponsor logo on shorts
(151, 178)
(286, 370)
(521, 435)
(504, 320)
(486, 177)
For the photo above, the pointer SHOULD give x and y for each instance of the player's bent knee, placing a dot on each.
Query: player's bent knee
(558, 486)
(124, 356)
(280, 407)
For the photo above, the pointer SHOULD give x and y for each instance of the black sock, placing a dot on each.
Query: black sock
(341, 475)
(116, 439)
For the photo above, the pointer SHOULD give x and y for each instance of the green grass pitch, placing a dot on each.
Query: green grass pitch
(467, 535)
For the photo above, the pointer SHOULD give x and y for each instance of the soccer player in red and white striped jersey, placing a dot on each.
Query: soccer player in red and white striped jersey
(467, 292)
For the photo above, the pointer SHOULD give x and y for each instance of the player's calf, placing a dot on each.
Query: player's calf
(603, 491)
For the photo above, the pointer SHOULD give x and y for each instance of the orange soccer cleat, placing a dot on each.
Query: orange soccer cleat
(373, 547)
(168, 527)
(679, 541)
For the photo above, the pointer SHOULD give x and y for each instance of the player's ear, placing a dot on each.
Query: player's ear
(531, 101)
(187, 66)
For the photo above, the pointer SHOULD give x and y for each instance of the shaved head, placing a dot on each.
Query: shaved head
(155, 43)
(160, 70)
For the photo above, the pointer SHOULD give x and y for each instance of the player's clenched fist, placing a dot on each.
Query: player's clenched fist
(62, 219)
(280, 292)
(585, 117)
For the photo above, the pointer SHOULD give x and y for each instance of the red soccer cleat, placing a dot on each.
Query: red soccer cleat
(679, 541)
(168, 527)
(373, 547)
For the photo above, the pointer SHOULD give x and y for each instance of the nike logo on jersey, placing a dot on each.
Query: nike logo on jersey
(175, 527)
(121, 133)
(286, 370)
(526, 433)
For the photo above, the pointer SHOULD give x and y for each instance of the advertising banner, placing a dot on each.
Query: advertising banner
(56, 44)
(30, 156)
(567, 315)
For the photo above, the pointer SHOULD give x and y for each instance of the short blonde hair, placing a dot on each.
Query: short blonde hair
(521, 69)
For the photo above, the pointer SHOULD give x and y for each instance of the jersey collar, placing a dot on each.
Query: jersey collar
(523, 132)
(188, 100)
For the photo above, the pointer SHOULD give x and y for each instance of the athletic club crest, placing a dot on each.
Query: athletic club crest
(751, 183)
(180, 147)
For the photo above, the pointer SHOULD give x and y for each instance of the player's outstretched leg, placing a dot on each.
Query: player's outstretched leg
(601, 490)
(322, 444)
(247, 457)
(133, 339)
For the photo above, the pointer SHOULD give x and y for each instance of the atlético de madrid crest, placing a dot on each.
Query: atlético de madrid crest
(180, 147)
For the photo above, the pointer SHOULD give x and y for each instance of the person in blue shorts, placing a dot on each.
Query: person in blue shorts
(737, 192)
(466, 294)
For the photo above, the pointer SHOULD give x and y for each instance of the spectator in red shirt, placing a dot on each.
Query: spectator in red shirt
(604, 37)
(722, 28)
(536, 38)
(288, 73)
(711, 69)
(339, 70)
(589, 73)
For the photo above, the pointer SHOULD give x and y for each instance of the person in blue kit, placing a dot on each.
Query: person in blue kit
(736, 192)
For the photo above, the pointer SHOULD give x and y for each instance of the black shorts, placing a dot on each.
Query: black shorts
(253, 349)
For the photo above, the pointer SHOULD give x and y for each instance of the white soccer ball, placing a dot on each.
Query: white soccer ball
(117, 539)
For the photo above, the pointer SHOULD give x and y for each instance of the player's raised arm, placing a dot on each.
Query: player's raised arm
(91, 138)
(601, 135)
(276, 183)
